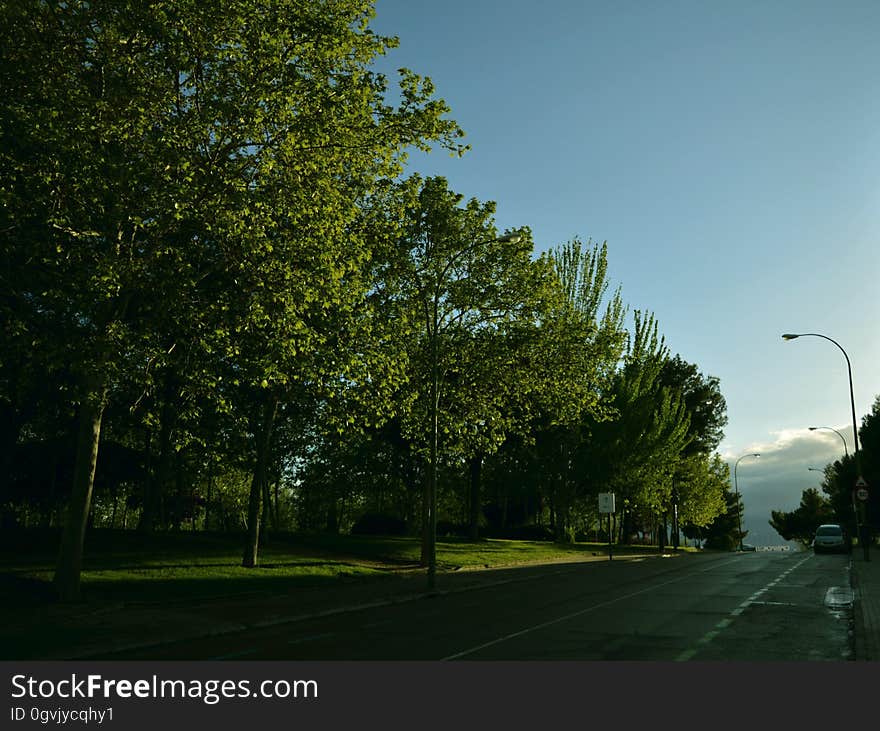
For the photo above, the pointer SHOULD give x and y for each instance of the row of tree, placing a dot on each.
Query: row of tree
(837, 502)
(223, 306)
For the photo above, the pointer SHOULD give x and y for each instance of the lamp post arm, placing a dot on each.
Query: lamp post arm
(842, 438)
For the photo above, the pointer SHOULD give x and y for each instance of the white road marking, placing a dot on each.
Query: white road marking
(753, 599)
(578, 613)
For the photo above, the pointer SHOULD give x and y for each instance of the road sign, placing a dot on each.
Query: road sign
(862, 493)
(860, 482)
(606, 502)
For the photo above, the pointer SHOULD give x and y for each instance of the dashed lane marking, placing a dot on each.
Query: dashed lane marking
(727, 621)
(572, 615)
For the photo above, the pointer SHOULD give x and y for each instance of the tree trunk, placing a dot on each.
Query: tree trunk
(192, 506)
(154, 493)
(424, 559)
(475, 502)
(210, 495)
(267, 505)
(10, 429)
(67, 572)
(263, 433)
(113, 512)
(562, 502)
(53, 486)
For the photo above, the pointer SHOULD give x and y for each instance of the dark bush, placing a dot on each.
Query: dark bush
(448, 528)
(374, 524)
(523, 533)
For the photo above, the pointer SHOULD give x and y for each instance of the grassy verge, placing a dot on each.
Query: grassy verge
(166, 567)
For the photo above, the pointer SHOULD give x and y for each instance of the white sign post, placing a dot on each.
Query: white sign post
(606, 505)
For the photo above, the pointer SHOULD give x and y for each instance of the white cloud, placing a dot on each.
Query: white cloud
(776, 480)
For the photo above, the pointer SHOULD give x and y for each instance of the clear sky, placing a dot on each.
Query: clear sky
(727, 151)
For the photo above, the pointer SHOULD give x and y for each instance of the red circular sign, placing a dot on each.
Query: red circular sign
(862, 493)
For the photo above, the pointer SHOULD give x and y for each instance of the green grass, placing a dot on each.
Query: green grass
(167, 567)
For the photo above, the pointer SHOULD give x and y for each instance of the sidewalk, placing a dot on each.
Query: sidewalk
(866, 610)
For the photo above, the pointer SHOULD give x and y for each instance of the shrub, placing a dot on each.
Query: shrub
(374, 524)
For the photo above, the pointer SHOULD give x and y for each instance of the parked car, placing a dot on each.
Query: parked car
(830, 537)
(748, 547)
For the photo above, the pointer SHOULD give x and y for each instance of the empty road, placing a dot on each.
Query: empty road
(753, 606)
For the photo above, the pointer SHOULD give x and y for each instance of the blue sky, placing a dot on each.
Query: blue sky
(728, 152)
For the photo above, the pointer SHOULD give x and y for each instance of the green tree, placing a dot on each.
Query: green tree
(160, 154)
(578, 344)
(464, 283)
(841, 475)
(695, 475)
(637, 452)
(703, 400)
(800, 524)
(723, 533)
(869, 439)
(700, 483)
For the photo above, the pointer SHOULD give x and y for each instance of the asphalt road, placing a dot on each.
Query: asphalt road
(752, 606)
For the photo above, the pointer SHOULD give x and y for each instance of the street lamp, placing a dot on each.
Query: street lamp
(738, 504)
(845, 451)
(863, 539)
(434, 336)
(845, 454)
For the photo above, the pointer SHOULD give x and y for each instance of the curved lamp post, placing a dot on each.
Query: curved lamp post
(845, 451)
(846, 454)
(434, 337)
(739, 510)
(852, 402)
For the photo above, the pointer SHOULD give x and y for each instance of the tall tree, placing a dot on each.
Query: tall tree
(462, 280)
(156, 155)
(635, 453)
(703, 400)
(575, 354)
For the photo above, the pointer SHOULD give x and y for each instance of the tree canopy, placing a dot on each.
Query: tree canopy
(225, 304)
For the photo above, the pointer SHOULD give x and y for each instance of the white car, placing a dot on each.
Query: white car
(830, 537)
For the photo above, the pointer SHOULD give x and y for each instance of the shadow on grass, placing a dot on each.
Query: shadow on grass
(130, 568)
(186, 585)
